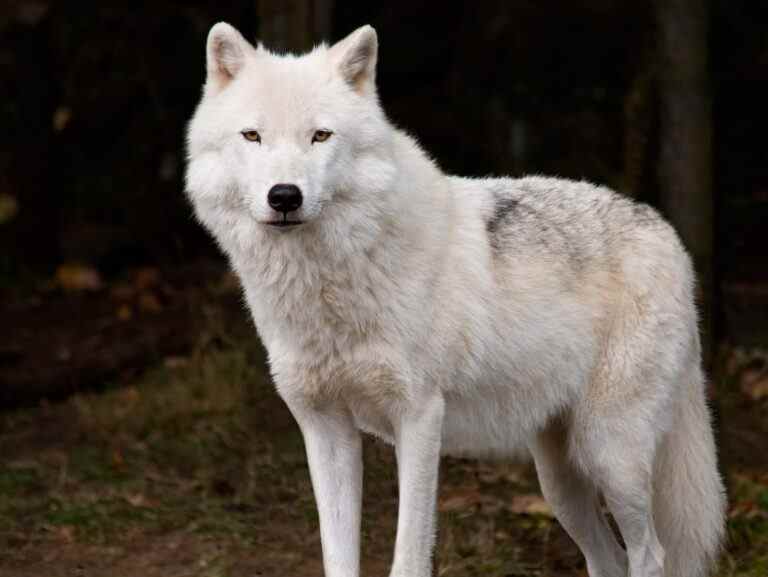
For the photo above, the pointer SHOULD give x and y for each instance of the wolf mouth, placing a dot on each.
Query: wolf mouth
(284, 223)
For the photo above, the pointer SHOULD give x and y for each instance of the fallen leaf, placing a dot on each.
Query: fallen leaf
(130, 395)
(145, 278)
(530, 505)
(9, 208)
(122, 292)
(139, 500)
(175, 362)
(124, 313)
(65, 533)
(78, 277)
(61, 117)
(754, 384)
(508, 474)
(149, 303)
(747, 509)
(460, 499)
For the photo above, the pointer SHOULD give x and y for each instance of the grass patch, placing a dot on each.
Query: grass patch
(183, 448)
(201, 451)
(16, 481)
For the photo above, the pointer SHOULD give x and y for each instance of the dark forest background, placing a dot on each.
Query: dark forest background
(95, 97)
(138, 429)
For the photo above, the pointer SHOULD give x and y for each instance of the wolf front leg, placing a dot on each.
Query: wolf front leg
(418, 435)
(334, 454)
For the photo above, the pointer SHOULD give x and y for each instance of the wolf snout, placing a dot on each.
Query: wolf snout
(284, 197)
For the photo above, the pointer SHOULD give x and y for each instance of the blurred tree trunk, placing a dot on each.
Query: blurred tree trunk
(685, 163)
(294, 25)
(640, 120)
(31, 240)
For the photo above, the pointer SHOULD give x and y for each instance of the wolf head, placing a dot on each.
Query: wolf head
(282, 143)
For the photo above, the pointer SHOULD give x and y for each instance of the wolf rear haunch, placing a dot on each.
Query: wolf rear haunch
(447, 315)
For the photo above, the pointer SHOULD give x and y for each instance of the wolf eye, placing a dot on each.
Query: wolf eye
(251, 136)
(321, 136)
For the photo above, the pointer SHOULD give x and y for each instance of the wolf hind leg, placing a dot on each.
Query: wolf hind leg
(575, 502)
(619, 456)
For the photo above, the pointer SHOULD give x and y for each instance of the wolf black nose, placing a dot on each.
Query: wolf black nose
(284, 197)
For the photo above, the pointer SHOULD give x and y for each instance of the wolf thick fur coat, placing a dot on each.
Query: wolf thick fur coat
(447, 315)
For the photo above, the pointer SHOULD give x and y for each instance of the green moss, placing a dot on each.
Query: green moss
(17, 480)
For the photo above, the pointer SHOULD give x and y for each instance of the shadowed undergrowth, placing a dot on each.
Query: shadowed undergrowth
(197, 468)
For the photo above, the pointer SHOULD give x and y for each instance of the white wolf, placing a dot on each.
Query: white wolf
(455, 316)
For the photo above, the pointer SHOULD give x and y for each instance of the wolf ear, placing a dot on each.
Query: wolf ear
(226, 51)
(355, 59)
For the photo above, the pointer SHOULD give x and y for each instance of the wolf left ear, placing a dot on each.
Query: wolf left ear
(226, 52)
(355, 59)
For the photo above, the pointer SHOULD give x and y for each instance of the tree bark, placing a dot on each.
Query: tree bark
(685, 163)
(640, 116)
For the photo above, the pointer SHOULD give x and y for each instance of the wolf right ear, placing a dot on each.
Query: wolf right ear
(355, 58)
(226, 52)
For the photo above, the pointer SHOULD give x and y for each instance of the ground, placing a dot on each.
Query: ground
(188, 464)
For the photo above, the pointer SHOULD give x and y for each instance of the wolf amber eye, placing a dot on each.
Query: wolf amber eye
(321, 136)
(251, 136)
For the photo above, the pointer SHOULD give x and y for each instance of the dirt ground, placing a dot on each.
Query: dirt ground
(182, 461)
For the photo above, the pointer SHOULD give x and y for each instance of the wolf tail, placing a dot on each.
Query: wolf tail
(689, 498)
